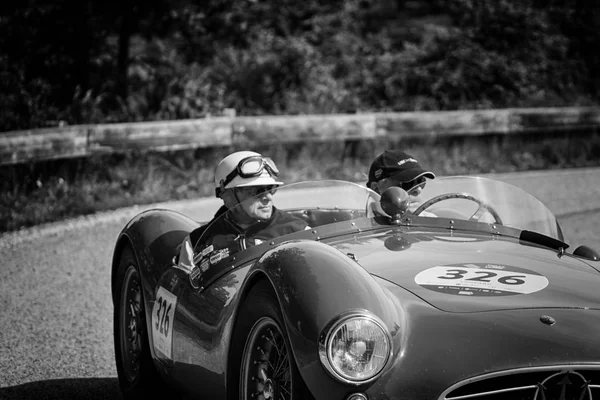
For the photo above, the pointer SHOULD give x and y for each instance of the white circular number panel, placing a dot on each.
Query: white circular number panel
(481, 279)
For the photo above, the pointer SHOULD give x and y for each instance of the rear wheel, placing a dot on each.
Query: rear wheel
(137, 376)
(262, 354)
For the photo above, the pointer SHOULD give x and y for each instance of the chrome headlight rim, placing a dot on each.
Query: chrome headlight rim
(333, 326)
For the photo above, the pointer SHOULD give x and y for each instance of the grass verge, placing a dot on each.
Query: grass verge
(51, 191)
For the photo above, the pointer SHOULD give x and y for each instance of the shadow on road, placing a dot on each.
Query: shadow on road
(60, 389)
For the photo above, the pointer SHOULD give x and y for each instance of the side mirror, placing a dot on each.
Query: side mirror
(394, 201)
(587, 252)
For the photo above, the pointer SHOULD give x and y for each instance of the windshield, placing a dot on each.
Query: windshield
(485, 200)
(325, 195)
(306, 205)
(297, 206)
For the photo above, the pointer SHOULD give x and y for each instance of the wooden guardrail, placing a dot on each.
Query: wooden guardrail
(84, 140)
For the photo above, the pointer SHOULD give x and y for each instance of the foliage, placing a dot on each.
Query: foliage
(91, 62)
(23, 103)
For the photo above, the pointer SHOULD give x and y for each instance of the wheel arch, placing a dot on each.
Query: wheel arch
(122, 242)
(294, 272)
(253, 279)
(153, 237)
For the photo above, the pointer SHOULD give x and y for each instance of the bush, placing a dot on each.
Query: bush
(295, 57)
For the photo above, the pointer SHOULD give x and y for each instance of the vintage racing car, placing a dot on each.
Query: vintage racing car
(480, 299)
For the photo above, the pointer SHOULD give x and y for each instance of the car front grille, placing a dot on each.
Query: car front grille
(581, 382)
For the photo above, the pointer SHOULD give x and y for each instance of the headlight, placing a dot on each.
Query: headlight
(355, 348)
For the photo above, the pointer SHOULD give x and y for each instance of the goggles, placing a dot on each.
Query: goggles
(250, 167)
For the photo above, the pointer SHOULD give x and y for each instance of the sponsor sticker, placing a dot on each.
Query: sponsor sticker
(174, 281)
(207, 250)
(195, 273)
(481, 279)
(163, 314)
(218, 255)
(204, 264)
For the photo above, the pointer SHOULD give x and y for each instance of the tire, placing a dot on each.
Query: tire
(138, 378)
(262, 365)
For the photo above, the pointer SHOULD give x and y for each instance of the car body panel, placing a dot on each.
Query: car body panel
(442, 343)
(202, 326)
(442, 335)
(492, 253)
(154, 235)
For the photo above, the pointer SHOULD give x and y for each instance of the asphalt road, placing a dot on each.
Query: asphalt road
(56, 312)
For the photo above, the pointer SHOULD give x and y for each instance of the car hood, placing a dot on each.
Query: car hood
(461, 272)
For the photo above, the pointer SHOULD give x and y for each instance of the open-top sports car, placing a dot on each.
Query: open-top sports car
(469, 294)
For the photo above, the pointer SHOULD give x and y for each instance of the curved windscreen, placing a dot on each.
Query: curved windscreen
(326, 195)
(306, 205)
(290, 208)
(485, 200)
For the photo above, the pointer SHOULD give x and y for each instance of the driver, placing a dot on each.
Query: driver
(397, 168)
(246, 182)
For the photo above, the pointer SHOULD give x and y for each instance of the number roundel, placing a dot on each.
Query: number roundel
(480, 279)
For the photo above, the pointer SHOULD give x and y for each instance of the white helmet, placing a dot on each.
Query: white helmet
(245, 168)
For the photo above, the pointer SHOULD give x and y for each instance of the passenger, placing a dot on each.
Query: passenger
(397, 168)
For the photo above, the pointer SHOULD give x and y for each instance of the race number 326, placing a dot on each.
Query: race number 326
(162, 321)
(481, 279)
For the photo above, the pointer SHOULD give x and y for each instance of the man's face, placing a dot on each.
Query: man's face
(257, 201)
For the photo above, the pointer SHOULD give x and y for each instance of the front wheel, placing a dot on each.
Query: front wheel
(138, 378)
(261, 351)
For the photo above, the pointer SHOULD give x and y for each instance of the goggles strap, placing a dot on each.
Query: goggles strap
(229, 178)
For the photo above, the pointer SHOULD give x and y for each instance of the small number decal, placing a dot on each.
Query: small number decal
(159, 303)
(162, 320)
(162, 316)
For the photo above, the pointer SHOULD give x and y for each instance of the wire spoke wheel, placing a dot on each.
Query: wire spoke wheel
(138, 378)
(131, 323)
(266, 365)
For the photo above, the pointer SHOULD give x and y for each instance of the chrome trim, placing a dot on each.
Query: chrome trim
(416, 221)
(481, 394)
(357, 396)
(516, 371)
(333, 325)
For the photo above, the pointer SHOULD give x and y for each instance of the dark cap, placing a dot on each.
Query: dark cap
(398, 165)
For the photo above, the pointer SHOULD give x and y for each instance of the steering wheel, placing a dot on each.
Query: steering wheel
(483, 207)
